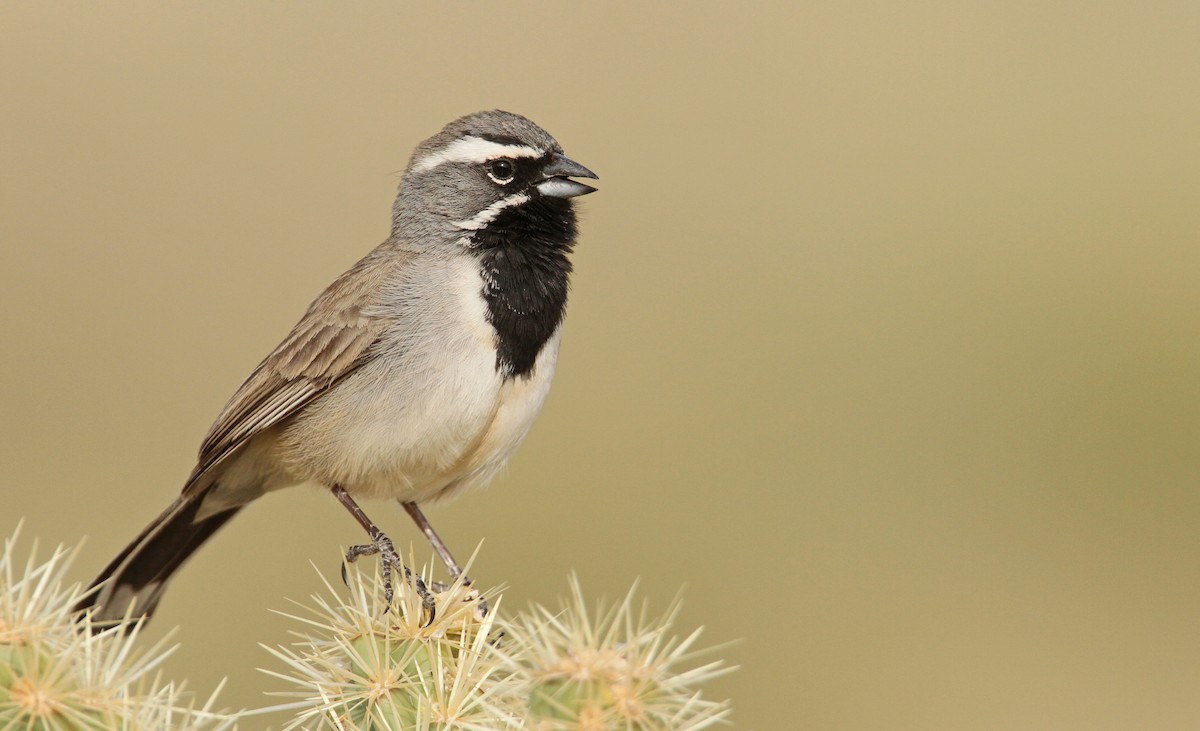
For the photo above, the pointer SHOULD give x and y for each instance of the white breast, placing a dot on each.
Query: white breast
(517, 405)
(430, 415)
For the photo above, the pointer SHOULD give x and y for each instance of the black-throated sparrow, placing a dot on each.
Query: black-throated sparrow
(414, 376)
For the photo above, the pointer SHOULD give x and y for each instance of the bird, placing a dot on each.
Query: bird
(413, 377)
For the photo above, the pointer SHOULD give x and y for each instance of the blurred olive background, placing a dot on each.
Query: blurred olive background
(883, 341)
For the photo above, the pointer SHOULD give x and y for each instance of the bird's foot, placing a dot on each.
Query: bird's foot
(389, 562)
(482, 604)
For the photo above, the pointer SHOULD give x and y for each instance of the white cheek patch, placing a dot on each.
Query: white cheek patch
(473, 149)
(487, 215)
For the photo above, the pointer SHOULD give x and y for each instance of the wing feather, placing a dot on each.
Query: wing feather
(330, 342)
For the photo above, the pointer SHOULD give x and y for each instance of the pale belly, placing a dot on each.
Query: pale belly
(382, 442)
(424, 424)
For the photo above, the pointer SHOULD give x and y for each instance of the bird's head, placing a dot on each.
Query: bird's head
(489, 166)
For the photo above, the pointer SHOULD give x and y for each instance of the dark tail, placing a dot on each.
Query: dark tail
(133, 582)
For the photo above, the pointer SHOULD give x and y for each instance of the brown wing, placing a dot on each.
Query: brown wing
(332, 340)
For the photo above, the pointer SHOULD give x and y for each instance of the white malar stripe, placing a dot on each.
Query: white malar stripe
(487, 215)
(473, 149)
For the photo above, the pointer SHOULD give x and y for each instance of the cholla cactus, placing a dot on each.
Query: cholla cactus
(619, 670)
(361, 668)
(365, 667)
(57, 675)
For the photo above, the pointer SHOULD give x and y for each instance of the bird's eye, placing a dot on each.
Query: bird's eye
(502, 170)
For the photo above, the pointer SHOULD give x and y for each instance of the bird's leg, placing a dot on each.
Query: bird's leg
(423, 523)
(388, 558)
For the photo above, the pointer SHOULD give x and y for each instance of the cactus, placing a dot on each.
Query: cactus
(616, 668)
(359, 665)
(365, 667)
(56, 674)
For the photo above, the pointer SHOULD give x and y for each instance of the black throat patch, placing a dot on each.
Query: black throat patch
(523, 253)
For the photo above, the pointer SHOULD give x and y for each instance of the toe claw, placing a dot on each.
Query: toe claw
(390, 562)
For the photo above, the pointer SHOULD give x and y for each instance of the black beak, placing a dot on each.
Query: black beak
(557, 176)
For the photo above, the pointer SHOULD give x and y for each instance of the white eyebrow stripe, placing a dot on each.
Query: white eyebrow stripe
(473, 149)
(487, 215)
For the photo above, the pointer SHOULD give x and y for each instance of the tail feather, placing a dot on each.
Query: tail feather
(133, 582)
